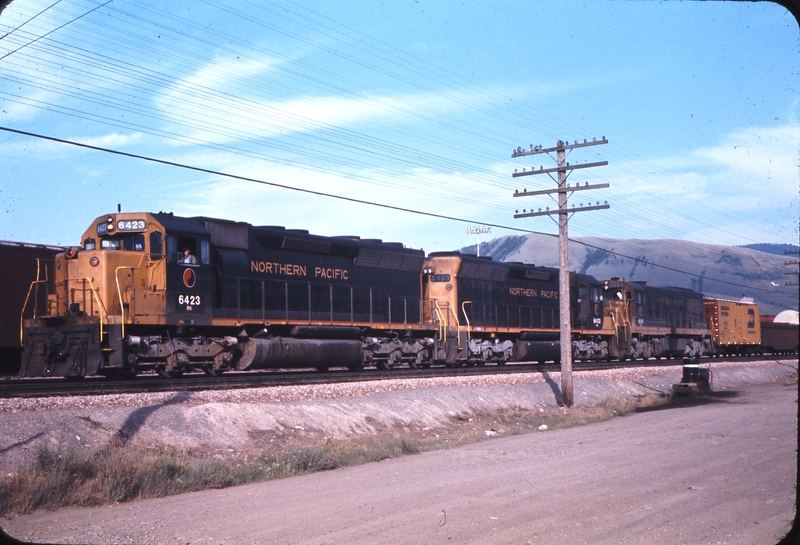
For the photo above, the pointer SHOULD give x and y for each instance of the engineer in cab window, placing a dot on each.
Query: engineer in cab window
(188, 257)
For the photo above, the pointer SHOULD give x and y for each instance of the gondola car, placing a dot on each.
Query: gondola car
(778, 337)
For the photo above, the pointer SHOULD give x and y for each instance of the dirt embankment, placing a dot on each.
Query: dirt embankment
(721, 470)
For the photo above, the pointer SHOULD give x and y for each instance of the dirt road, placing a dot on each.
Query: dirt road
(723, 471)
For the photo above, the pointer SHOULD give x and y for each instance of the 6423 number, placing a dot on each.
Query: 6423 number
(189, 300)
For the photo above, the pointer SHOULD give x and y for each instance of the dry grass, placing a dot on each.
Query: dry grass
(58, 477)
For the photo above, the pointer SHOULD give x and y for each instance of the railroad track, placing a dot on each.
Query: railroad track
(13, 387)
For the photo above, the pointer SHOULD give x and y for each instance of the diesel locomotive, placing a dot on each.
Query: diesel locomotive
(648, 321)
(158, 292)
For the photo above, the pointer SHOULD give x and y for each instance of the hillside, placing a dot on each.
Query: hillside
(728, 272)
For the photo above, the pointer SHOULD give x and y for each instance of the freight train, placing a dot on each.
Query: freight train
(159, 292)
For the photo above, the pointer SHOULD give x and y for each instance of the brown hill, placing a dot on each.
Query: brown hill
(727, 272)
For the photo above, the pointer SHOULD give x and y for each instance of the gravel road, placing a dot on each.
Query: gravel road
(722, 471)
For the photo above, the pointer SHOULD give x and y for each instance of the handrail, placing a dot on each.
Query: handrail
(442, 320)
(99, 304)
(464, 310)
(27, 297)
(119, 292)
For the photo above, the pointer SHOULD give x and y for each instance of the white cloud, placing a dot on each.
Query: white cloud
(112, 140)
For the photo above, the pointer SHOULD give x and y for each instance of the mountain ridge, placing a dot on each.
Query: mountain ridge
(719, 271)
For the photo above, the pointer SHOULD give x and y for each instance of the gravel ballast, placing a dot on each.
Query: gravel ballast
(230, 419)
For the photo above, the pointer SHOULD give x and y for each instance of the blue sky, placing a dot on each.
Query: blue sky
(416, 104)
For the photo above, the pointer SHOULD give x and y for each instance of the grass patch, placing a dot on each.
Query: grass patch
(59, 477)
(62, 477)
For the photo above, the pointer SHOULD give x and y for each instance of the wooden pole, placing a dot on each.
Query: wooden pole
(563, 281)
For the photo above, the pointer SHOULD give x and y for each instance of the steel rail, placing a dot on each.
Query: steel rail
(13, 387)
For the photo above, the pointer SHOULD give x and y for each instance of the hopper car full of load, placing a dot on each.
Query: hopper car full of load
(158, 292)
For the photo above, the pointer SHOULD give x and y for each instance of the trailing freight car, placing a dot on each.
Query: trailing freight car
(735, 325)
(779, 337)
(22, 264)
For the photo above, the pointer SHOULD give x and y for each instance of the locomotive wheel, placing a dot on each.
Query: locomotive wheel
(209, 370)
(356, 367)
(119, 375)
(167, 373)
(395, 357)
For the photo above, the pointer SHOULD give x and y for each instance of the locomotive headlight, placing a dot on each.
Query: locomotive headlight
(95, 261)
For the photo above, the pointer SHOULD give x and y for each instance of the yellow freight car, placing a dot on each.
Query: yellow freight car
(736, 325)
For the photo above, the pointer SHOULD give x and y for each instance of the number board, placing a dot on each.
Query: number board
(131, 225)
(440, 278)
(189, 303)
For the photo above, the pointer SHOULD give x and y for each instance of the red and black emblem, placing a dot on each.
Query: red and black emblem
(189, 278)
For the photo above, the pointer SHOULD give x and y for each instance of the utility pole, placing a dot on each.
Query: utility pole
(563, 169)
(791, 263)
(477, 231)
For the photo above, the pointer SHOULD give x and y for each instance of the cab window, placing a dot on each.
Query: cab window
(199, 250)
(204, 252)
(130, 243)
(187, 251)
(156, 245)
(172, 249)
(133, 243)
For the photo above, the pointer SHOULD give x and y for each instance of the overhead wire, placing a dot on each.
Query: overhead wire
(351, 200)
(641, 216)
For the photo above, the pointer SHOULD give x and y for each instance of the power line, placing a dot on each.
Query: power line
(55, 29)
(353, 200)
